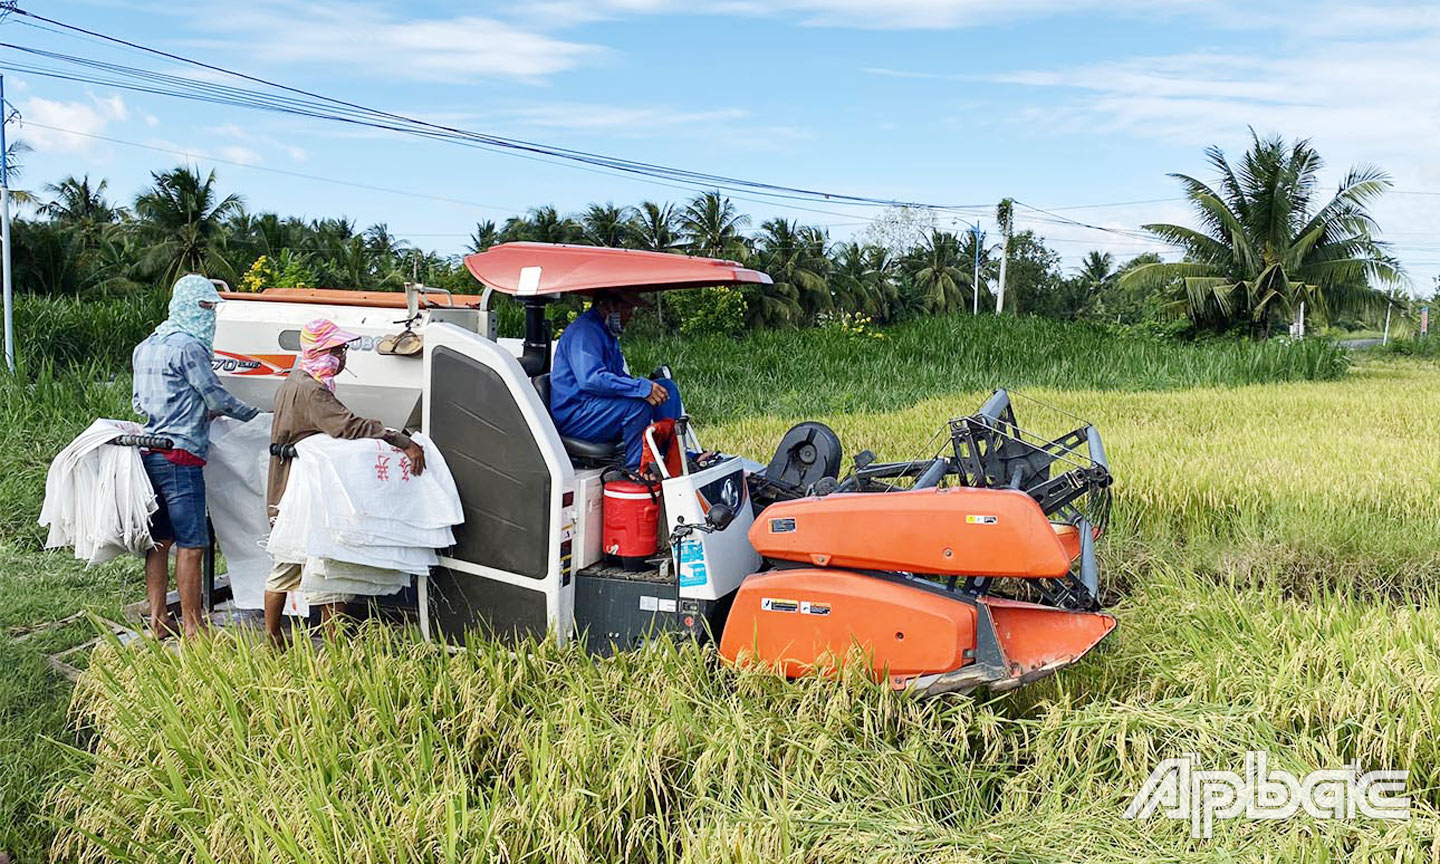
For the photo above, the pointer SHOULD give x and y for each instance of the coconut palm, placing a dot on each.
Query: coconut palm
(795, 259)
(653, 227)
(1098, 271)
(75, 203)
(710, 226)
(606, 225)
(940, 273)
(852, 282)
(543, 225)
(1263, 246)
(182, 219)
(15, 168)
(485, 236)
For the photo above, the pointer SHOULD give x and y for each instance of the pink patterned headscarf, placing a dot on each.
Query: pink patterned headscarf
(316, 340)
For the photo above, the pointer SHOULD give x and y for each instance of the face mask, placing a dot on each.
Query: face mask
(323, 367)
(614, 324)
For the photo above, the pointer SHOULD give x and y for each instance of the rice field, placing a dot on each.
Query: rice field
(374, 747)
(1270, 562)
(1319, 483)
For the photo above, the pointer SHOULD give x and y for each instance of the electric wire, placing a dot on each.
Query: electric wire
(417, 126)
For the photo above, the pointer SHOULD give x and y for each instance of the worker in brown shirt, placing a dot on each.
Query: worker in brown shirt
(306, 405)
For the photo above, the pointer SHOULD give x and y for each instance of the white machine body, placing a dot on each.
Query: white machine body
(533, 520)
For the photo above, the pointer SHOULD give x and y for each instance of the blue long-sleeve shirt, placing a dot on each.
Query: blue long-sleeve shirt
(176, 388)
(588, 362)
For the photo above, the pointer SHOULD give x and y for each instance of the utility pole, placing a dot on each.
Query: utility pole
(975, 232)
(1004, 214)
(5, 233)
(1388, 306)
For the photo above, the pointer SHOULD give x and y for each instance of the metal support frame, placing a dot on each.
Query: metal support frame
(990, 450)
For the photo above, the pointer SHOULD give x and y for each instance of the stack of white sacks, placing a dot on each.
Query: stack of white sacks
(359, 519)
(98, 498)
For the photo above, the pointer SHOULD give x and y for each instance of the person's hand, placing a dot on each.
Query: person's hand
(416, 454)
(658, 394)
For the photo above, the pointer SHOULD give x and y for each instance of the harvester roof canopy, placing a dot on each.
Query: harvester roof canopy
(549, 269)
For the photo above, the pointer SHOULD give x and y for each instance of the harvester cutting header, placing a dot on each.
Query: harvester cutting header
(973, 567)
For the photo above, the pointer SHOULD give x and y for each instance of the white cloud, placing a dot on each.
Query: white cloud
(1360, 100)
(859, 14)
(63, 118)
(248, 155)
(242, 155)
(368, 38)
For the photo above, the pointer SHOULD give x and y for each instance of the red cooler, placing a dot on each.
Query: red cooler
(632, 524)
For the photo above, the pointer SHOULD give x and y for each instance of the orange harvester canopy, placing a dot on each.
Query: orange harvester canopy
(547, 269)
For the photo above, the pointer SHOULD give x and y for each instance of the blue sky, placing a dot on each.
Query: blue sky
(1057, 103)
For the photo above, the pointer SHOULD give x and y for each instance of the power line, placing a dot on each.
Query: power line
(281, 171)
(208, 92)
(349, 112)
(1118, 204)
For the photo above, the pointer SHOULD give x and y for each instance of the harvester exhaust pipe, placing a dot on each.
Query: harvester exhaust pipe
(535, 359)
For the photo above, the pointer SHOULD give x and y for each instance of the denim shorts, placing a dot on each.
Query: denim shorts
(180, 494)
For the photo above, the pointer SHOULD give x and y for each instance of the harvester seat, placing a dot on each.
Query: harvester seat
(602, 452)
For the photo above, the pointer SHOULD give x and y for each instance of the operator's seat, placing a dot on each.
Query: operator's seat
(603, 452)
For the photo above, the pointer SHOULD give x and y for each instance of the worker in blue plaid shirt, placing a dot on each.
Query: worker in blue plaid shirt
(177, 392)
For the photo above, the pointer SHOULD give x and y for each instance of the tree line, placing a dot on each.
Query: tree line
(1265, 245)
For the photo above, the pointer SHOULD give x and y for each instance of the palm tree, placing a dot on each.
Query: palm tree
(1098, 274)
(653, 227)
(711, 227)
(1263, 248)
(606, 225)
(795, 258)
(82, 213)
(548, 226)
(182, 219)
(852, 281)
(485, 236)
(77, 203)
(940, 273)
(15, 169)
(1098, 270)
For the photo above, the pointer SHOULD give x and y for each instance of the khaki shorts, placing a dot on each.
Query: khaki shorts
(285, 576)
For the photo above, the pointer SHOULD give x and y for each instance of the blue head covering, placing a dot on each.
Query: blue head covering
(186, 314)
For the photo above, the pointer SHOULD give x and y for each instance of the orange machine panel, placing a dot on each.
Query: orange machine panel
(971, 532)
(1037, 637)
(803, 618)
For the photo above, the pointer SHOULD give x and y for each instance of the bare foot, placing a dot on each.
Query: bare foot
(164, 628)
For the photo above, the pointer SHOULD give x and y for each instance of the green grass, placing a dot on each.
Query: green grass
(37, 587)
(827, 371)
(41, 410)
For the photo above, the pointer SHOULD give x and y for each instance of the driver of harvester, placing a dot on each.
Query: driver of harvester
(593, 396)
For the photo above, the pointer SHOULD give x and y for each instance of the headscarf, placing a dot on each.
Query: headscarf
(186, 314)
(316, 340)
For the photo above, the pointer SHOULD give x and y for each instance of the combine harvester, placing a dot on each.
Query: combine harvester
(784, 563)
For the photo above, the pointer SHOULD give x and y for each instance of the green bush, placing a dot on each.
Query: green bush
(718, 311)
